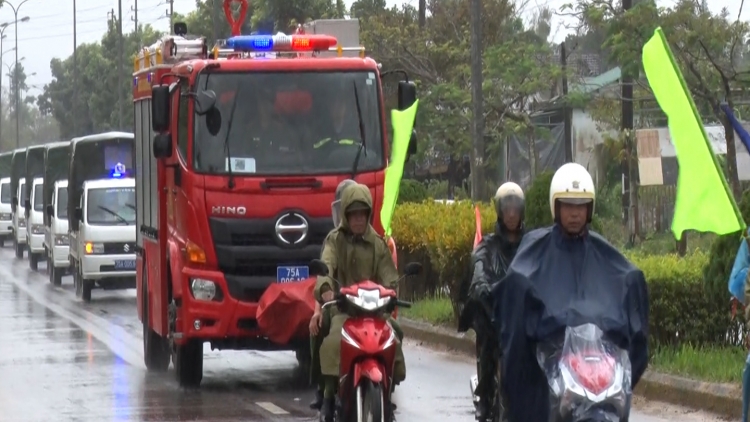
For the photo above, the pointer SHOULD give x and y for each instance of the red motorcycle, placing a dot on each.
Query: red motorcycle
(368, 347)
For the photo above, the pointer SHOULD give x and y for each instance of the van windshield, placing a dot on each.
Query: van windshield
(38, 198)
(111, 206)
(5, 193)
(62, 203)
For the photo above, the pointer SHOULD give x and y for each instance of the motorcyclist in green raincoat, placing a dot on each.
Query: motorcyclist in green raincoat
(353, 252)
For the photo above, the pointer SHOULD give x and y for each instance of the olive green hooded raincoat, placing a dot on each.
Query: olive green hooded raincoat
(351, 259)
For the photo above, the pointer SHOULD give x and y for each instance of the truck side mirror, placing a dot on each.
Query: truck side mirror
(162, 145)
(407, 94)
(160, 99)
(50, 211)
(78, 214)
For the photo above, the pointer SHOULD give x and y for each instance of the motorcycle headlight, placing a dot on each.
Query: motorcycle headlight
(62, 240)
(37, 229)
(368, 300)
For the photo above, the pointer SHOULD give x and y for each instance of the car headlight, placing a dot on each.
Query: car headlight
(37, 229)
(94, 248)
(62, 240)
(203, 289)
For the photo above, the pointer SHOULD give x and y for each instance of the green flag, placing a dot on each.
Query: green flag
(403, 123)
(704, 201)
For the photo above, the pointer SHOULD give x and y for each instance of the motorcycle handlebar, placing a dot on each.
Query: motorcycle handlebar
(403, 304)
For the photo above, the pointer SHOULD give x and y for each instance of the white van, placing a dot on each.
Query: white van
(19, 220)
(35, 225)
(102, 251)
(56, 238)
(6, 211)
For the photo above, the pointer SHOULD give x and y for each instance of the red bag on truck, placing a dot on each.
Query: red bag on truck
(285, 310)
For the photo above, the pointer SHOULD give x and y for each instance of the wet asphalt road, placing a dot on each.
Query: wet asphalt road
(62, 360)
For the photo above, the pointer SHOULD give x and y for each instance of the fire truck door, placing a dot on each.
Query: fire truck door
(173, 173)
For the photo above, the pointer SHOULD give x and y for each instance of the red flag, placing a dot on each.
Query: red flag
(478, 234)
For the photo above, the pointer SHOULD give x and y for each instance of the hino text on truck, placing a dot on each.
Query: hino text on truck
(101, 212)
(238, 161)
(32, 203)
(17, 189)
(55, 205)
(6, 212)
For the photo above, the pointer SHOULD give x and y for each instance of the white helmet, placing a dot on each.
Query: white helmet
(572, 183)
(511, 194)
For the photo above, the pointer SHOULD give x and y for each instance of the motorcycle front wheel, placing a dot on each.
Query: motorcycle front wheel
(370, 403)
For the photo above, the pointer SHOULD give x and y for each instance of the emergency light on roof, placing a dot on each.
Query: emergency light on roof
(119, 171)
(281, 42)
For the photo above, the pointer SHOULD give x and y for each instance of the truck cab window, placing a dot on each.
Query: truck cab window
(182, 119)
(38, 198)
(111, 206)
(62, 203)
(5, 193)
(287, 124)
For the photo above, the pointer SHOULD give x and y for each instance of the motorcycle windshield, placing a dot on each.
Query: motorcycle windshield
(589, 376)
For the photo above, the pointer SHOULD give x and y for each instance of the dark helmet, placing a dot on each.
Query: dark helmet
(336, 212)
(508, 195)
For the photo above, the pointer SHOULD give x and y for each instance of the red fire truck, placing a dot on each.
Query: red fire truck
(239, 149)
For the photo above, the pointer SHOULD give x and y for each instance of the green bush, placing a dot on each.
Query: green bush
(723, 252)
(411, 191)
(537, 202)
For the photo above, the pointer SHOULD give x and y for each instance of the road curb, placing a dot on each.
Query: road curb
(721, 399)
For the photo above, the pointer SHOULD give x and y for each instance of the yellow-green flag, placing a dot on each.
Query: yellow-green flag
(704, 201)
(403, 123)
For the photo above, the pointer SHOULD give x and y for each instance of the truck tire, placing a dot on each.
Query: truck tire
(86, 286)
(55, 275)
(19, 249)
(155, 347)
(188, 363)
(33, 261)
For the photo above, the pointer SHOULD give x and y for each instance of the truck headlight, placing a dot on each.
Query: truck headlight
(203, 289)
(21, 222)
(6, 216)
(94, 248)
(62, 240)
(37, 229)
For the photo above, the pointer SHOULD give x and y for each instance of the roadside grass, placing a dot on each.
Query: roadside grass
(702, 363)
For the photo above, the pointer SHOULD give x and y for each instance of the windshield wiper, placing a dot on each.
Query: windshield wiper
(238, 92)
(116, 215)
(131, 206)
(362, 145)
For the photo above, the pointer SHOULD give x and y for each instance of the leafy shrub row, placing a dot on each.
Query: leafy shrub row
(441, 237)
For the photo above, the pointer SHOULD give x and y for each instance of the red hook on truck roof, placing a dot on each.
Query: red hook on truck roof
(235, 24)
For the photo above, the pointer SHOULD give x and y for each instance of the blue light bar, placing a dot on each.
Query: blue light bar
(119, 171)
(251, 43)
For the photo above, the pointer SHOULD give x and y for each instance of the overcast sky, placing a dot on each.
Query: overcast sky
(49, 32)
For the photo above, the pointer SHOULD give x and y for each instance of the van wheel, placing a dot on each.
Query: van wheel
(188, 363)
(33, 261)
(19, 249)
(155, 347)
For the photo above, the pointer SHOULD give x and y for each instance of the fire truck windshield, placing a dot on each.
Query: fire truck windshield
(290, 124)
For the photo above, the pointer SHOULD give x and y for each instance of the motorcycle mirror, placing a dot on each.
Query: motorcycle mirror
(318, 267)
(413, 268)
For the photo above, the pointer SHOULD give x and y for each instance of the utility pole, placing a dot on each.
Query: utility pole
(75, 72)
(626, 127)
(171, 16)
(567, 117)
(215, 18)
(477, 106)
(134, 9)
(119, 67)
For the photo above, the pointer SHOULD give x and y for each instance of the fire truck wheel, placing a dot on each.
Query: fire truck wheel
(155, 348)
(188, 363)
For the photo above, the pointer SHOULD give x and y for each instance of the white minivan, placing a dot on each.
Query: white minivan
(56, 238)
(35, 225)
(102, 250)
(19, 220)
(6, 211)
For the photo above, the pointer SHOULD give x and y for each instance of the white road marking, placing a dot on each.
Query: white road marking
(271, 408)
